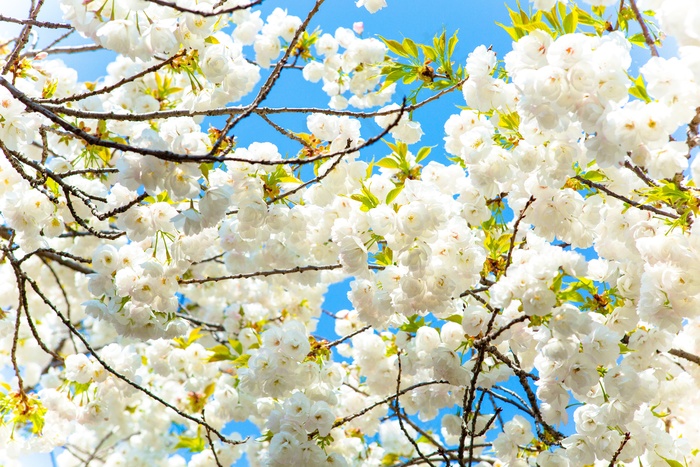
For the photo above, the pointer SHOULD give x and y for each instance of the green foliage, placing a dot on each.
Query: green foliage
(523, 24)
(670, 194)
(639, 89)
(367, 198)
(22, 410)
(569, 18)
(232, 353)
(671, 462)
(272, 182)
(193, 336)
(49, 88)
(430, 65)
(164, 89)
(508, 124)
(399, 160)
(415, 322)
(302, 48)
(192, 444)
(385, 257)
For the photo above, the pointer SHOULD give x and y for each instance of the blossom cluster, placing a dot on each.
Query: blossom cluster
(528, 299)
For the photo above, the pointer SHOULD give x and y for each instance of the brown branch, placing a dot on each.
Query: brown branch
(272, 272)
(34, 22)
(523, 377)
(509, 257)
(500, 397)
(619, 450)
(693, 134)
(397, 409)
(205, 14)
(62, 258)
(71, 49)
(386, 400)
(491, 337)
(207, 432)
(118, 84)
(640, 174)
(23, 38)
(160, 154)
(624, 199)
(440, 449)
(330, 345)
(685, 355)
(221, 111)
(419, 461)
(645, 30)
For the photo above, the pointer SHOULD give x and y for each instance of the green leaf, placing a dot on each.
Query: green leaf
(671, 462)
(595, 176)
(241, 361)
(393, 77)
(429, 52)
(571, 22)
(410, 47)
(532, 26)
(423, 153)
(388, 163)
(514, 34)
(624, 349)
(79, 388)
(552, 17)
(193, 444)
(236, 345)
(639, 90)
(515, 17)
(585, 18)
(638, 40)
(52, 185)
(455, 319)
(391, 196)
(408, 79)
(205, 167)
(220, 353)
(562, 9)
(385, 257)
(452, 43)
(209, 390)
(395, 47)
(415, 322)
(289, 179)
(211, 40)
(193, 336)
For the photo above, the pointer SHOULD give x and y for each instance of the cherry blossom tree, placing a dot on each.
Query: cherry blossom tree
(526, 294)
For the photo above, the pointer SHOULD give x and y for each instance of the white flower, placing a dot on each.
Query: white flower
(79, 368)
(215, 63)
(371, 5)
(481, 62)
(321, 418)
(119, 35)
(518, 430)
(589, 420)
(189, 221)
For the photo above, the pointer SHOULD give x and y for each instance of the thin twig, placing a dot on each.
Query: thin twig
(645, 30)
(637, 205)
(686, 355)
